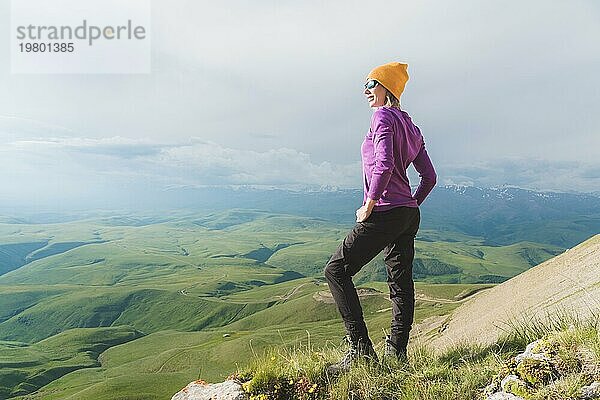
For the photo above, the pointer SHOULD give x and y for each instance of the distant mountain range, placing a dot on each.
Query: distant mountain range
(500, 215)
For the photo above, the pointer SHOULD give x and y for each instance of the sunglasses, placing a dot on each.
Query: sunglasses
(371, 84)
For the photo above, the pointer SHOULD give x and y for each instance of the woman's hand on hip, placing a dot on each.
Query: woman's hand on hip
(364, 212)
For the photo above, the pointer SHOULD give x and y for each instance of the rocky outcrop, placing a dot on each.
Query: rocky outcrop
(591, 391)
(200, 390)
(538, 366)
(503, 396)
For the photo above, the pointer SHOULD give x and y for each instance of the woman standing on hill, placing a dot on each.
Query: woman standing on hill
(388, 220)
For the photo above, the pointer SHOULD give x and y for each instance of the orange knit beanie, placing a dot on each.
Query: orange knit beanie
(393, 76)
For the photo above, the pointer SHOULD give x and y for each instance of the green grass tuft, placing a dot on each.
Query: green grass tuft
(427, 376)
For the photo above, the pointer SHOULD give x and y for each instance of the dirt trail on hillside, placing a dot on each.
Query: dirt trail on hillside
(287, 296)
(326, 297)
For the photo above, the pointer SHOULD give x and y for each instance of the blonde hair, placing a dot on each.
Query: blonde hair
(391, 100)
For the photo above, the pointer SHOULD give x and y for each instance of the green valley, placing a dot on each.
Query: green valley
(99, 307)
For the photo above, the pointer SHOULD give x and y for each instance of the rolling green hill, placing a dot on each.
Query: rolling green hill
(97, 252)
(25, 368)
(164, 361)
(14, 255)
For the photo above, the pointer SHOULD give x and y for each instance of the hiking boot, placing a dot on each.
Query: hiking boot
(360, 349)
(394, 351)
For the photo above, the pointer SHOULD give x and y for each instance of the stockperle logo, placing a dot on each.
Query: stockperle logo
(80, 36)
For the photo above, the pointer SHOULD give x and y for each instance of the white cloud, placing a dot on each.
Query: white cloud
(195, 163)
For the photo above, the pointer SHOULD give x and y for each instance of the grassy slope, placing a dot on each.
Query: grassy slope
(13, 255)
(33, 366)
(149, 310)
(165, 361)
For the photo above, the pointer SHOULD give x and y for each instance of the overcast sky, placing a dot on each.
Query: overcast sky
(270, 92)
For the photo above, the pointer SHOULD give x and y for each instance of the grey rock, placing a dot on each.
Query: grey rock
(503, 396)
(591, 391)
(531, 354)
(198, 390)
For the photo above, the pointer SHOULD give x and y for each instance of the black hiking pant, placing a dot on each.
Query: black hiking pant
(394, 232)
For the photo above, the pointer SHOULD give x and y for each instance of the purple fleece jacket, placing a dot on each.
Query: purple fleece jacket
(391, 145)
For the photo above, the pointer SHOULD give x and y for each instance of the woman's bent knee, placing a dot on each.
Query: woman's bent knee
(332, 270)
